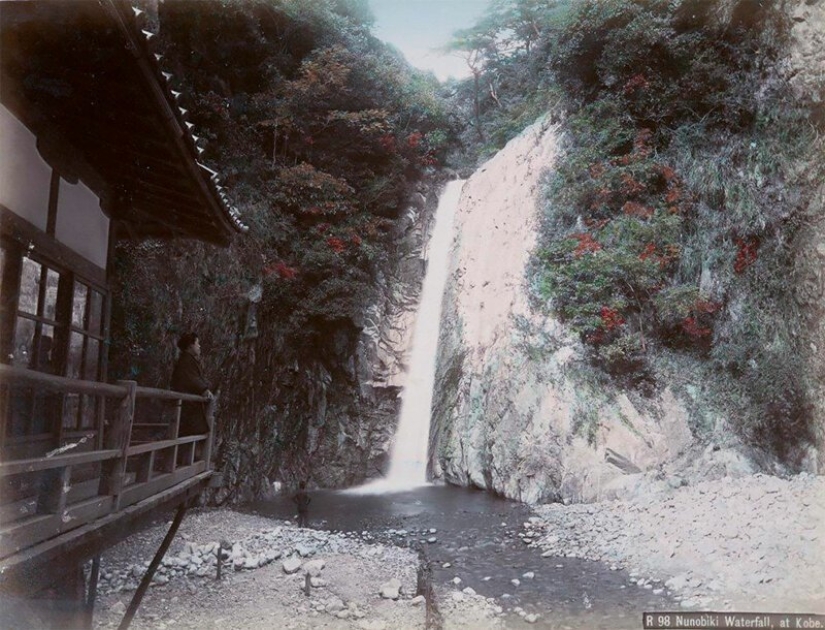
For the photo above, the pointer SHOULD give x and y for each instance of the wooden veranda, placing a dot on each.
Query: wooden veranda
(64, 507)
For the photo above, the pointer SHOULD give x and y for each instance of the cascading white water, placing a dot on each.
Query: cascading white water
(408, 457)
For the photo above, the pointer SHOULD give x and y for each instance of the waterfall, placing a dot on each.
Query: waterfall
(408, 457)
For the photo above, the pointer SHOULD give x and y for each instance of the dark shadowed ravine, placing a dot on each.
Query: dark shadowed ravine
(477, 536)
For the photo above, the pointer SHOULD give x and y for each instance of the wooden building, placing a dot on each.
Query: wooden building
(94, 146)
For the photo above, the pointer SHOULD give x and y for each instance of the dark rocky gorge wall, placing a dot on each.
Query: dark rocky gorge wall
(350, 444)
(345, 401)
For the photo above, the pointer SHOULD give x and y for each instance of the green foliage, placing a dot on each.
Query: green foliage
(320, 133)
(688, 171)
(510, 87)
(687, 175)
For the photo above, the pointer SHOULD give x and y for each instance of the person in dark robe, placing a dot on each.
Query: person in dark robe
(187, 377)
(302, 500)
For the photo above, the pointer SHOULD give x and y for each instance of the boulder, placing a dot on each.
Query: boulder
(291, 565)
(335, 605)
(391, 589)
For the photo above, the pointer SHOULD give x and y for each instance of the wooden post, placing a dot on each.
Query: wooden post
(53, 491)
(145, 466)
(118, 437)
(174, 431)
(91, 593)
(222, 545)
(150, 571)
(210, 420)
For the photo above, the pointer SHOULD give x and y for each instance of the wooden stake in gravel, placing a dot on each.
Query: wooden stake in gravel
(223, 545)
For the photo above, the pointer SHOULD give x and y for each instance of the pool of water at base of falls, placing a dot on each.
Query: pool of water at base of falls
(477, 534)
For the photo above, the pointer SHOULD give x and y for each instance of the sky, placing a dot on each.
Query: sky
(418, 27)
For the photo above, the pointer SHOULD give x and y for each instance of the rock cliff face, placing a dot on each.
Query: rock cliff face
(354, 417)
(515, 412)
(806, 73)
(519, 410)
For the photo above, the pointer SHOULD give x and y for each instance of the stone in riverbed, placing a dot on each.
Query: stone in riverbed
(391, 589)
(251, 563)
(335, 605)
(291, 565)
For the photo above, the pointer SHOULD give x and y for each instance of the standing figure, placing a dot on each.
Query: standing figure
(187, 377)
(302, 500)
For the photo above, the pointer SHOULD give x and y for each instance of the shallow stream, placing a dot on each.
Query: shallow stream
(478, 535)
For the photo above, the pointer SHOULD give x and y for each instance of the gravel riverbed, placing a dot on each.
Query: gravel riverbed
(755, 542)
(354, 583)
(751, 543)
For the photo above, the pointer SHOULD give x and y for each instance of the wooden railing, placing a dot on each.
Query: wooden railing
(133, 461)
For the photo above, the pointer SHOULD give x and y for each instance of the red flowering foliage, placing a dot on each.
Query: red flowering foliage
(414, 139)
(747, 253)
(667, 172)
(671, 252)
(630, 186)
(692, 326)
(428, 159)
(596, 224)
(698, 324)
(596, 170)
(336, 244)
(705, 307)
(636, 82)
(587, 244)
(673, 196)
(648, 252)
(641, 143)
(322, 227)
(611, 318)
(662, 257)
(281, 269)
(634, 209)
(387, 142)
(355, 240)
